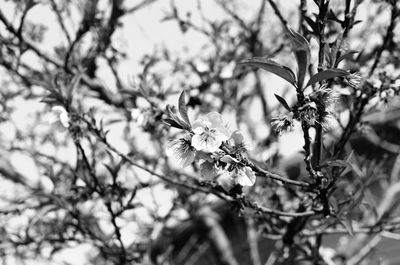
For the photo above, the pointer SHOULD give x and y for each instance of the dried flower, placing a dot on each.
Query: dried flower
(209, 133)
(325, 97)
(353, 80)
(282, 124)
(308, 113)
(182, 150)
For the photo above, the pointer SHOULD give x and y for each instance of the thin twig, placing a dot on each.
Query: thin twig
(388, 36)
(360, 256)
(279, 14)
(252, 239)
(277, 177)
(61, 21)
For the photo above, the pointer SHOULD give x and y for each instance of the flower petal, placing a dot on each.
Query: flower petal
(225, 180)
(181, 150)
(172, 147)
(245, 176)
(199, 125)
(199, 142)
(187, 159)
(64, 119)
(216, 122)
(228, 159)
(220, 136)
(200, 155)
(236, 138)
(212, 145)
(205, 143)
(214, 118)
(59, 116)
(58, 109)
(208, 170)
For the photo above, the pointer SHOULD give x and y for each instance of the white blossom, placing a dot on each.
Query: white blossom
(209, 170)
(209, 133)
(225, 180)
(240, 174)
(182, 151)
(244, 176)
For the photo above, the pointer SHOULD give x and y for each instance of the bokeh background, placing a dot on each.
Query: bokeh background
(69, 198)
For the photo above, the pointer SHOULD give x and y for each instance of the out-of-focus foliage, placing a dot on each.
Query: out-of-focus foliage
(284, 116)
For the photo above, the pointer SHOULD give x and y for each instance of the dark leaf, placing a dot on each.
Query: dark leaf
(327, 55)
(273, 67)
(171, 110)
(334, 50)
(283, 102)
(183, 108)
(326, 74)
(53, 98)
(335, 163)
(301, 50)
(347, 55)
(334, 204)
(311, 23)
(345, 171)
(110, 170)
(172, 123)
(332, 16)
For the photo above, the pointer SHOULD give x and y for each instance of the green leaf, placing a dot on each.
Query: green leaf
(301, 50)
(326, 74)
(283, 102)
(273, 67)
(183, 108)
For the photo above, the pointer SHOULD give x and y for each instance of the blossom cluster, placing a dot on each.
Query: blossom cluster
(221, 154)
